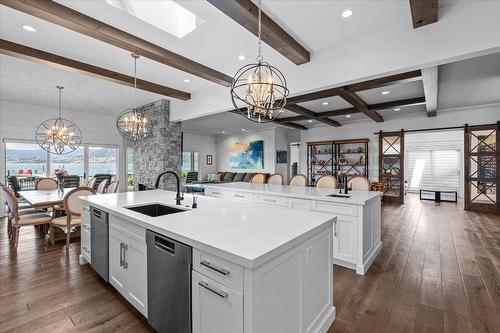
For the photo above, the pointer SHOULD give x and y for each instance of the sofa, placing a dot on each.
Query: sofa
(228, 176)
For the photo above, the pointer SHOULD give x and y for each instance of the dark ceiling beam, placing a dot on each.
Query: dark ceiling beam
(346, 111)
(430, 82)
(359, 104)
(277, 121)
(312, 96)
(39, 56)
(245, 12)
(393, 104)
(311, 114)
(56, 13)
(365, 85)
(423, 12)
(385, 81)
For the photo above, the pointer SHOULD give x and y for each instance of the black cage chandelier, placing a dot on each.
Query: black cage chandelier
(58, 135)
(133, 124)
(261, 87)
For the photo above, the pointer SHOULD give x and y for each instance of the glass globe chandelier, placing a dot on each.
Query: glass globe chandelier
(133, 124)
(58, 135)
(260, 86)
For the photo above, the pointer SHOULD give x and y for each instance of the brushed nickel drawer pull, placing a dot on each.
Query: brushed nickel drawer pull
(215, 268)
(219, 293)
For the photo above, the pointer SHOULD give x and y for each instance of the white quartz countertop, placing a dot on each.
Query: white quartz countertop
(302, 192)
(244, 233)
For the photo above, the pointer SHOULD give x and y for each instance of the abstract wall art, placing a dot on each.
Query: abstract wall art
(246, 155)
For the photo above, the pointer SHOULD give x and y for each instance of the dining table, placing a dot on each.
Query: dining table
(45, 199)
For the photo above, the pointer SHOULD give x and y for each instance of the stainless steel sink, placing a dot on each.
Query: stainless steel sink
(338, 195)
(155, 210)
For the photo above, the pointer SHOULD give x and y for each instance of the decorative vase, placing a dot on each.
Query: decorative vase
(60, 185)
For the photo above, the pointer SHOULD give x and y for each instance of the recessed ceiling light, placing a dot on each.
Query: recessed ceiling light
(348, 116)
(29, 28)
(186, 80)
(309, 121)
(223, 132)
(243, 129)
(385, 92)
(347, 13)
(325, 103)
(397, 109)
(241, 57)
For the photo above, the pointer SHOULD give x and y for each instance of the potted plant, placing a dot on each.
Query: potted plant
(60, 175)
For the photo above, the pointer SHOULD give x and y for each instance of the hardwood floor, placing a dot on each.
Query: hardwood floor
(438, 271)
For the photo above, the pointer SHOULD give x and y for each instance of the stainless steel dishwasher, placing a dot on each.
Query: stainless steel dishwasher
(99, 242)
(169, 284)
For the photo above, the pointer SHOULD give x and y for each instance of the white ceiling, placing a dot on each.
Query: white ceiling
(335, 44)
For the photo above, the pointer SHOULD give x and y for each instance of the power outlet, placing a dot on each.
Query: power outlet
(308, 255)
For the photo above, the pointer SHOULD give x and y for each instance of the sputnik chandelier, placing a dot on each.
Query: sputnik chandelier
(260, 86)
(133, 124)
(58, 135)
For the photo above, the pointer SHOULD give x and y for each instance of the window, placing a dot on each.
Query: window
(24, 159)
(190, 162)
(130, 167)
(27, 160)
(102, 160)
(72, 162)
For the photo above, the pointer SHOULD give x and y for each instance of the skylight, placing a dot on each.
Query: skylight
(166, 15)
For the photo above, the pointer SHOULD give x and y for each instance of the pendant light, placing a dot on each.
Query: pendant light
(133, 124)
(260, 86)
(58, 135)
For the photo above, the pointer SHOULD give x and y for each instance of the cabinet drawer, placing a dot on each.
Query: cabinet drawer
(271, 200)
(216, 308)
(299, 204)
(85, 237)
(85, 218)
(222, 271)
(130, 229)
(240, 196)
(335, 208)
(216, 193)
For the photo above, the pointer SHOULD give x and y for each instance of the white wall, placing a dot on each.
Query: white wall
(18, 121)
(281, 143)
(366, 129)
(204, 145)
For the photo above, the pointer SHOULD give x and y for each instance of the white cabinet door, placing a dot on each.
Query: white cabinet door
(136, 263)
(118, 275)
(216, 309)
(344, 238)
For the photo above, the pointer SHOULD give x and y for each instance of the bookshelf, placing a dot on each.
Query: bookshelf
(336, 158)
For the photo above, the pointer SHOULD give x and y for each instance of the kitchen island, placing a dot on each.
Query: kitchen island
(254, 269)
(357, 230)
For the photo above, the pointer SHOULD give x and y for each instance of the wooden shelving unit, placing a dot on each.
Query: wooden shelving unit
(336, 158)
(391, 166)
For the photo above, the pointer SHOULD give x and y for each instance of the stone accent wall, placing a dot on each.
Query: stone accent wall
(161, 151)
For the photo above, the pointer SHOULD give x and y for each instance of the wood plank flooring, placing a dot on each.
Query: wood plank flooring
(438, 271)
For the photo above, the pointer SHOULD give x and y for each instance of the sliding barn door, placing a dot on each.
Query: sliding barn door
(391, 166)
(481, 168)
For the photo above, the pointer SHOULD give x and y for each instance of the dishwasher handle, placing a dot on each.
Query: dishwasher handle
(164, 245)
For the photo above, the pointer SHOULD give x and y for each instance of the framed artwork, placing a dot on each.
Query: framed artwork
(246, 155)
(209, 160)
(281, 156)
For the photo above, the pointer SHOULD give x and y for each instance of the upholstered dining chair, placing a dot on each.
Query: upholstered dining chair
(18, 218)
(91, 183)
(298, 180)
(73, 207)
(258, 178)
(359, 183)
(113, 187)
(46, 184)
(326, 181)
(276, 179)
(101, 188)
